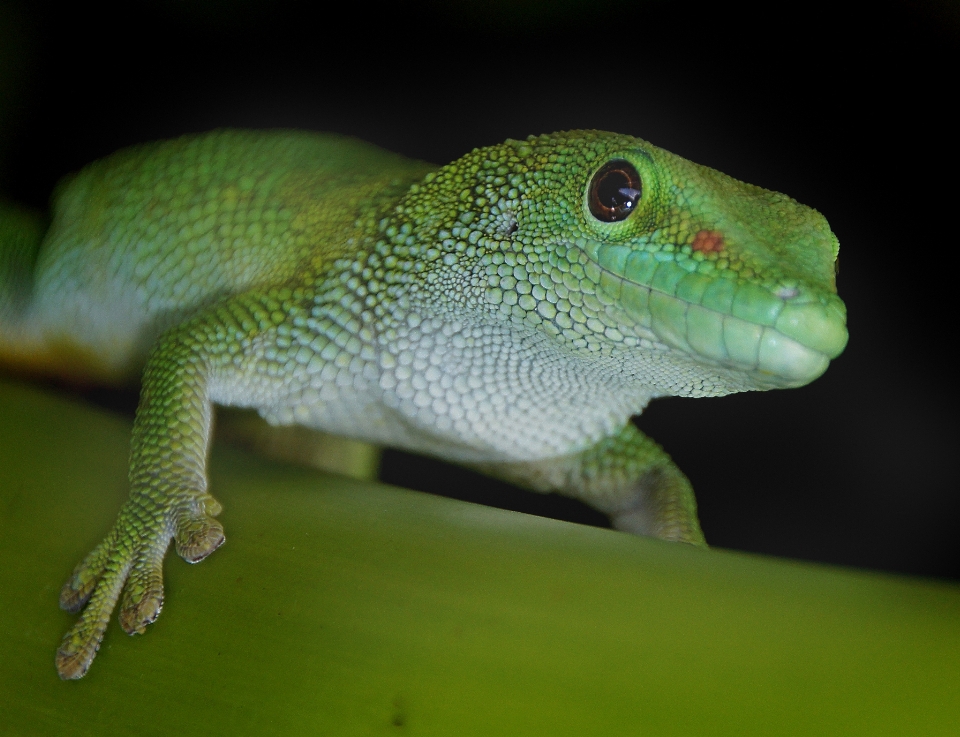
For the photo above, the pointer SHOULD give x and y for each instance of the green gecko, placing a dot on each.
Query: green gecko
(509, 311)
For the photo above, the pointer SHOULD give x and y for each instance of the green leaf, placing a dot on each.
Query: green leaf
(346, 608)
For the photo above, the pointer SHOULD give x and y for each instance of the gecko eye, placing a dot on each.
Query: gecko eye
(615, 191)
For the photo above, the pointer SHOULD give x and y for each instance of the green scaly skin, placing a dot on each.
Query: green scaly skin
(479, 312)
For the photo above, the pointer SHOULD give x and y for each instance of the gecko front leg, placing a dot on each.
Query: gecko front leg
(168, 500)
(168, 481)
(627, 476)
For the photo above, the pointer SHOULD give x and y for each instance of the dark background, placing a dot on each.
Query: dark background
(849, 113)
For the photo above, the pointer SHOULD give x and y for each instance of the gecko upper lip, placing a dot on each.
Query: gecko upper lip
(784, 340)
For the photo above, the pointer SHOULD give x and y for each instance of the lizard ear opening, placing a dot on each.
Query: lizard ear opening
(615, 191)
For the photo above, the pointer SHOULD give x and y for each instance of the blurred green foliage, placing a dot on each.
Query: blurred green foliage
(342, 607)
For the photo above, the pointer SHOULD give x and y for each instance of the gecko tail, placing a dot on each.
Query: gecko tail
(21, 233)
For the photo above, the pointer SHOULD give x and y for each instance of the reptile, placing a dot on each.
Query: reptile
(510, 311)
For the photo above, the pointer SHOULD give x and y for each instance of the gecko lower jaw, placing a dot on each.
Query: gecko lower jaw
(779, 340)
(761, 352)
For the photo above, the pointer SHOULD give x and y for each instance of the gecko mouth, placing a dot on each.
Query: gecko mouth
(784, 336)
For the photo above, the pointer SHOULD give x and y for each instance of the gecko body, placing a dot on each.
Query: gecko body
(510, 311)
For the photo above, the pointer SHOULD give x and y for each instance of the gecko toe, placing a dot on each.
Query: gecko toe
(78, 589)
(72, 664)
(197, 537)
(142, 594)
(80, 644)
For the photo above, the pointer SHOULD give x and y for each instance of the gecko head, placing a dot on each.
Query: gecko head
(699, 283)
(725, 274)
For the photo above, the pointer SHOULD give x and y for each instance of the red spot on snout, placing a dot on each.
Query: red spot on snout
(708, 241)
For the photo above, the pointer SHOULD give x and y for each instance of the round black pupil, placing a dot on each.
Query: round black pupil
(610, 191)
(614, 191)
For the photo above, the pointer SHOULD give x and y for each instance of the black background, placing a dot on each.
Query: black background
(847, 111)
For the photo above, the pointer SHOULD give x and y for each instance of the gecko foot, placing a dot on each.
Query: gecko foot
(661, 506)
(129, 561)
